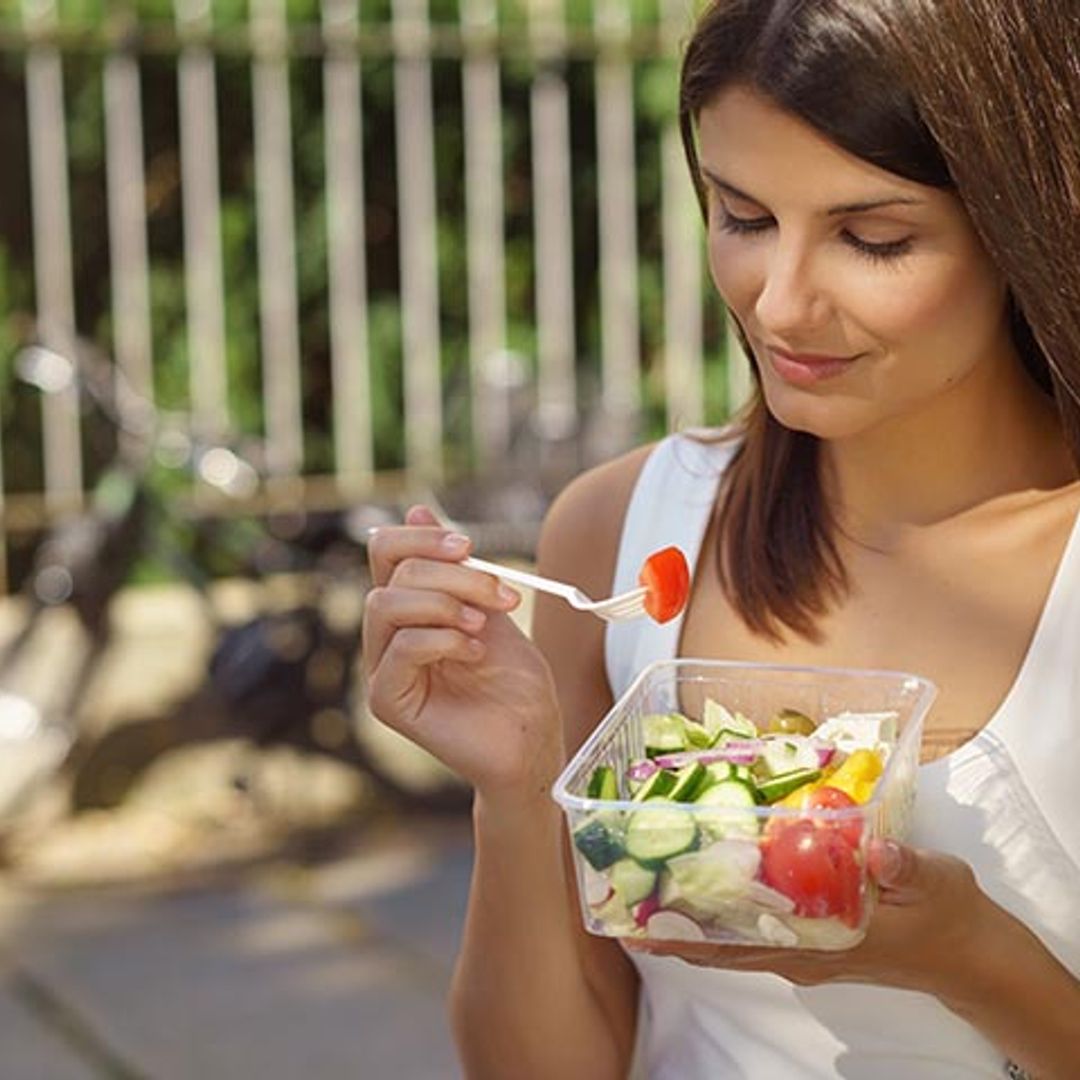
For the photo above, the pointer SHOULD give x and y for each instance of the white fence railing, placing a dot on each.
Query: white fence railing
(345, 43)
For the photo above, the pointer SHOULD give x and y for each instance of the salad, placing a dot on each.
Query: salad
(742, 835)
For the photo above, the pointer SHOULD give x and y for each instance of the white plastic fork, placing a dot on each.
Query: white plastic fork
(627, 605)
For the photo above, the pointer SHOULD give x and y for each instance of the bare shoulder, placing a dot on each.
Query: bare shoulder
(1037, 522)
(1058, 521)
(579, 543)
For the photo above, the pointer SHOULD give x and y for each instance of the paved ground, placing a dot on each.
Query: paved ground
(193, 934)
(278, 971)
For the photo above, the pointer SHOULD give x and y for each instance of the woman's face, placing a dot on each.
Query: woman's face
(864, 296)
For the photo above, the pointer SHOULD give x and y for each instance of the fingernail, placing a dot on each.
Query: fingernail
(891, 861)
(455, 542)
(507, 595)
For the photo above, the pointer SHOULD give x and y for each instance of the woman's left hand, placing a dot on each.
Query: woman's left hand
(927, 926)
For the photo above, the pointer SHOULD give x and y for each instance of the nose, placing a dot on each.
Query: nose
(790, 300)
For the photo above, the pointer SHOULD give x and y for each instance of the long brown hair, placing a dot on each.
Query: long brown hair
(977, 96)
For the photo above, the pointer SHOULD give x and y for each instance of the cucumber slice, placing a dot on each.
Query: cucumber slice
(603, 784)
(715, 718)
(664, 733)
(718, 771)
(598, 843)
(697, 735)
(783, 753)
(718, 720)
(689, 782)
(778, 786)
(631, 881)
(657, 786)
(614, 917)
(655, 835)
(733, 801)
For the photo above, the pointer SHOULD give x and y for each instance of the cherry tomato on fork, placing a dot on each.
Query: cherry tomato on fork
(667, 578)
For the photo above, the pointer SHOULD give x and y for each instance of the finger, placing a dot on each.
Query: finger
(391, 609)
(395, 683)
(892, 865)
(470, 586)
(391, 544)
(715, 955)
(907, 875)
(421, 515)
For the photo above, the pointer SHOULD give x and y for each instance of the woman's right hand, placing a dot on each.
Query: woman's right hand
(448, 668)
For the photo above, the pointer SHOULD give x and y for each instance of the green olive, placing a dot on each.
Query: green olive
(792, 722)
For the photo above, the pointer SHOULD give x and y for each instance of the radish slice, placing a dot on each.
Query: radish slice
(673, 926)
(644, 911)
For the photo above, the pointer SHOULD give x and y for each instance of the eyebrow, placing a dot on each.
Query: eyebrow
(845, 208)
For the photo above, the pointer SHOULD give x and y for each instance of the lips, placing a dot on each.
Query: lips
(806, 369)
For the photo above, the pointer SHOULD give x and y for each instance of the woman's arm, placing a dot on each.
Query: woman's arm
(1021, 998)
(522, 1004)
(534, 995)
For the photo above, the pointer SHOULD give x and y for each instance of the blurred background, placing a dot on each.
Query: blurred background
(270, 271)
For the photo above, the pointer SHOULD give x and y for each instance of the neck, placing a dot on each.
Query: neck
(993, 434)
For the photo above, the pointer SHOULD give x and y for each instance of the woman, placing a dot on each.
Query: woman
(902, 493)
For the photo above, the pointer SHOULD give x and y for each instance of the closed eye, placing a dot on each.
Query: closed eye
(730, 223)
(880, 251)
(742, 225)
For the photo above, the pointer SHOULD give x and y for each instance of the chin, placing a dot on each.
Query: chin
(824, 415)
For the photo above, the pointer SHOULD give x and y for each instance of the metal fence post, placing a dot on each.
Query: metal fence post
(415, 128)
(354, 452)
(53, 274)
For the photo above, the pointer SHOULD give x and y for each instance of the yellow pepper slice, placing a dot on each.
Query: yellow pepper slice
(797, 799)
(858, 775)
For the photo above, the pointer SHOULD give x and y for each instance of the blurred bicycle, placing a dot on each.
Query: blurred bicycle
(288, 676)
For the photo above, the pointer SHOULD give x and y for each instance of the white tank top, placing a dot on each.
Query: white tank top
(1005, 802)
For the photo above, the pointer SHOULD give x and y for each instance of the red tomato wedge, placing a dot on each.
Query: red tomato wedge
(817, 868)
(667, 578)
(830, 798)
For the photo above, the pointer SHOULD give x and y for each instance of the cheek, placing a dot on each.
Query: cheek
(735, 272)
(946, 313)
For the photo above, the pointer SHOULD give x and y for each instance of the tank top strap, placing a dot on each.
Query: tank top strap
(1038, 721)
(1062, 612)
(670, 505)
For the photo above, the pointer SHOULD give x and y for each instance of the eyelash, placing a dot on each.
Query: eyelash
(894, 249)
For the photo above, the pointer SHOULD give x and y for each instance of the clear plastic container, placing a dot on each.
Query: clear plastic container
(735, 874)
